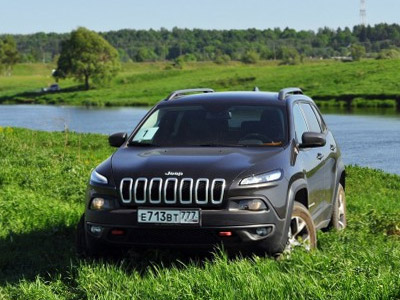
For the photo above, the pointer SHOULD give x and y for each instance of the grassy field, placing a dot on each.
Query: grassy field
(147, 83)
(42, 185)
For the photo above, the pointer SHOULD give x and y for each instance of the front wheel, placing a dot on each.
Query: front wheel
(302, 231)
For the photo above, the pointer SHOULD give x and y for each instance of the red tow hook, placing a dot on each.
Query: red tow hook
(117, 232)
(225, 233)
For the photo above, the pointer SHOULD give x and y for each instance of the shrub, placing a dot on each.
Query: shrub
(357, 51)
(388, 54)
(250, 57)
(222, 59)
(289, 55)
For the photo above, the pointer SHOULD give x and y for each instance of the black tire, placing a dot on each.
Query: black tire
(299, 211)
(84, 247)
(339, 211)
(302, 230)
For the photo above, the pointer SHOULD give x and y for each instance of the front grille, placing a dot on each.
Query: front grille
(172, 191)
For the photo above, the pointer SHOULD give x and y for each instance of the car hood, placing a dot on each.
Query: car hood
(205, 162)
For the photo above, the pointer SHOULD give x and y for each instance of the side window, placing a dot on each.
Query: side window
(319, 117)
(300, 125)
(310, 117)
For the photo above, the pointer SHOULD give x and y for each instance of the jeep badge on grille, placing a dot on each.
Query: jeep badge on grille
(169, 173)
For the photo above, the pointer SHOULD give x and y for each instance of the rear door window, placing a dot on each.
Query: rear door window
(319, 117)
(311, 118)
(300, 124)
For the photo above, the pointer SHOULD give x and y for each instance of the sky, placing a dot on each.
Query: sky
(29, 16)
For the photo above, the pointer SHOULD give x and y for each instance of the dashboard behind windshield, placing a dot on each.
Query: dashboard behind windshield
(214, 125)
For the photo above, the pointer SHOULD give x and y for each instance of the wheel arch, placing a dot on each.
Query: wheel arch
(297, 185)
(298, 191)
(342, 178)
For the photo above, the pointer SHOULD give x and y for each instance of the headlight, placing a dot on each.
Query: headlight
(262, 178)
(98, 178)
(101, 204)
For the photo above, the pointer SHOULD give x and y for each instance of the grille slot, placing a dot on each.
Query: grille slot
(155, 190)
(217, 191)
(140, 190)
(201, 191)
(126, 190)
(185, 191)
(172, 191)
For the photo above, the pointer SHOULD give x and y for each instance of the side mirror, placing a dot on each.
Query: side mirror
(312, 140)
(117, 139)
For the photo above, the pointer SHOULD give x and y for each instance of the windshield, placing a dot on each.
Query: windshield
(214, 125)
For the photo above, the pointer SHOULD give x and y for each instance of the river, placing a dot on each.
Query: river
(366, 138)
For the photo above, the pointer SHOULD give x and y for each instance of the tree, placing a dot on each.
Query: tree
(357, 51)
(1, 55)
(145, 54)
(8, 53)
(86, 55)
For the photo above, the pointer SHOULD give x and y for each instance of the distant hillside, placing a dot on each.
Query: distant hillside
(205, 45)
(148, 83)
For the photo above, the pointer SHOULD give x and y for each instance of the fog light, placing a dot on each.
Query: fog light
(96, 230)
(254, 204)
(101, 204)
(97, 204)
(263, 231)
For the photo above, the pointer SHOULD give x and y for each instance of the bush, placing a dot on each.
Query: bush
(388, 54)
(250, 57)
(289, 55)
(222, 59)
(370, 103)
(357, 52)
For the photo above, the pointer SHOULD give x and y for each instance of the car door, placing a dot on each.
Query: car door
(323, 163)
(311, 165)
(330, 151)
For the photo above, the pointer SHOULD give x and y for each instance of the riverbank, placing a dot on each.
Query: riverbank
(372, 83)
(42, 186)
(356, 130)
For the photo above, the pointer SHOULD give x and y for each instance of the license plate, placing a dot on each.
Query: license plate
(160, 216)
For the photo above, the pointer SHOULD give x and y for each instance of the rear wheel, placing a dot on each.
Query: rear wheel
(339, 213)
(302, 231)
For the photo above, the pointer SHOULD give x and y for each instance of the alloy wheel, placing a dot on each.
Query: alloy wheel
(299, 234)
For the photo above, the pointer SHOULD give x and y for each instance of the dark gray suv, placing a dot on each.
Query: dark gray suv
(251, 170)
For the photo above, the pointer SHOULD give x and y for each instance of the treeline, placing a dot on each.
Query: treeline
(222, 45)
(9, 55)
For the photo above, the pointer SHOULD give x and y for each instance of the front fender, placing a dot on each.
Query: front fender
(295, 186)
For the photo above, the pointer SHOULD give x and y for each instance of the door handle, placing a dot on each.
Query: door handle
(333, 147)
(320, 156)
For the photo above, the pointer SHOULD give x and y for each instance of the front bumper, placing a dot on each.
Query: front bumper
(242, 226)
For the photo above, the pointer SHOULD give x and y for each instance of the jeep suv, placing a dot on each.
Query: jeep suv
(249, 170)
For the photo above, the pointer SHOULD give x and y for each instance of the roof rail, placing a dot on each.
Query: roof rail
(283, 93)
(179, 93)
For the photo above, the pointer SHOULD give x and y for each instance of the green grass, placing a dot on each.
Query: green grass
(147, 83)
(42, 186)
